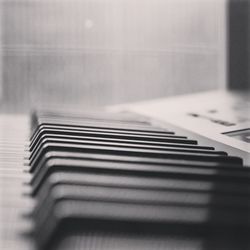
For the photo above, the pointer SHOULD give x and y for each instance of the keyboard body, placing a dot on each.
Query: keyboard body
(122, 182)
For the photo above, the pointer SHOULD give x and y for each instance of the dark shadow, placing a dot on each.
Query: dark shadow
(238, 44)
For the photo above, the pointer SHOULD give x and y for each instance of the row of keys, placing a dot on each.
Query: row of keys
(97, 173)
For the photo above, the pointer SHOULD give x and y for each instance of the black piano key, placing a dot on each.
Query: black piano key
(84, 134)
(185, 214)
(103, 240)
(130, 159)
(101, 124)
(131, 152)
(104, 124)
(97, 118)
(108, 127)
(75, 134)
(76, 142)
(123, 169)
(141, 196)
(59, 129)
(145, 183)
(136, 197)
(152, 145)
(94, 115)
(120, 135)
(127, 217)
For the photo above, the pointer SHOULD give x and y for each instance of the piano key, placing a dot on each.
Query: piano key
(81, 134)
(97, 115)
(131, 136)
(87, 139)
(131, 159)
(59, 128)
(72, 133)
(140, 196)
(125, 169)
(121, 166)
(131, 152)
(140, 182)
(95, 124)
(47, 140)
(62, 192)
(102, 240)
(109, 216)
(59, 133)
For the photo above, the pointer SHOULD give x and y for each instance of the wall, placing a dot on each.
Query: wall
(97, 52)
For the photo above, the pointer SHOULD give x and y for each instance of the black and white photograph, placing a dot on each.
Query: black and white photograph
(125, 124)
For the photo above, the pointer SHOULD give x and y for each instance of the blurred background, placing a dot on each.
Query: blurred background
(90, 53)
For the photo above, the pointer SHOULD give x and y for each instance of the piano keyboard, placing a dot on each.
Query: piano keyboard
(117, 181)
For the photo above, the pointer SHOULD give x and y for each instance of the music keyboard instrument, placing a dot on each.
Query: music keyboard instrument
(102, 180)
